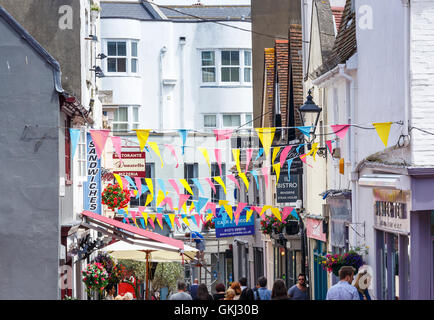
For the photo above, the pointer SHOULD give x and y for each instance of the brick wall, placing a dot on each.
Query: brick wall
(295, 59)
(267, 119)
(422, 81)
(282, 67)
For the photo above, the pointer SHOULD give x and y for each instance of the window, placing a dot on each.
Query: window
(249, 122)
(231, 120)
(247, 66)
(126, 118)
(81, 154)
(122, 56)
(142, 199)
(210, 121)
(191, 171)
(230, 70)
(208, 66)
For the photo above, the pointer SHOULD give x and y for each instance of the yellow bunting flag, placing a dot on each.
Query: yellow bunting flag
(185, 219)
(150, 185)
(142, 136)
(276, 213)
(160, 197)
(191, 207)
(248, 215)
(223, 203)
(159, 223)
(236, 154)
(209, 216)
(264, 209)
(145, 217)
(119, 180)
(149, 199)
(276, 168)
(266, 135)
(154, 146)
(152, 216)
(275, 152)
(186, 186)
(220, 182)
(383, 130)
(172, 219)
(205, 155)
(228, 209)
(245, 180)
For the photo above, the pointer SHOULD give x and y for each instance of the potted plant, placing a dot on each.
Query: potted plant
(95, 10)
(114, 197)
(333, 262)
(270, 225)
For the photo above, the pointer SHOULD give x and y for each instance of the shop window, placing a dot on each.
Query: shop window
(141, 201)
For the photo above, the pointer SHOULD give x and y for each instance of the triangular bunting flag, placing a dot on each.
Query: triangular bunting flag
(236, 155)
(142, 136)
(249, 154)
(154, 146)
(160, 197)
(174, 185)
(284, 154)
(186, 186)
(219, 180)
(150, 185)
(255, 175)
(198, 185)
(119, 180)
(200, 203)
(99, 138)
(286, 212)
(130, 181)
(149, 199)
(237, 213)
(162, 185)
(139, 187)
(117, 145)
(266, 136)
(276, 168)
(211, 206)
(172, 150)
(183, 134)
(205, 155)
(218, 158)
(264, 171)
(330, 146)
(223, 134)
(276, 213)
(182, 200)
(211, 184)
(383, 130)
(275, 152)
(340, 129)
(245, 180)
(228, 209)
(151, 220)
(260, 153)
(305, 130)
(234, 180)
(248, 215)
(74, 135)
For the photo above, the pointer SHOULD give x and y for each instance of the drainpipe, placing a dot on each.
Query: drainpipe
(162, 53)
(181, 80)
(406, 5)
(351, 147)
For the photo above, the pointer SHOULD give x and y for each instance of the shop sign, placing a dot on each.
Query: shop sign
(314, 229)
(225, 227)
(92, 187)
(391, 211)
(288, 189)
(133, 164)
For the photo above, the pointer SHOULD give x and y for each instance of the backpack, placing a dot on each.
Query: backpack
(256, 291)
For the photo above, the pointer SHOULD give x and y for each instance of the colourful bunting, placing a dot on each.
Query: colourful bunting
(200, 203)
(117, 145)
(219, 180)
(150, 185)
(329, 146)
(151, 220)
(260, 153)
(172, 150)
(186, 186)
(234, 180)
(249, 153)
(218, 158)
(139, 187)
(198, 185)
(160, 220)
(183, 134)
(130, 181)
(245, 180)
(211, 206)
(174, 185)
(182, 202)
(255, 175)
(286, 212)
(275, 152)
(211, 184)
(205, 155)
(276, 168)
(264, 171)
(305, 130)
(236, 154)
(289, 168)
(223, 134)
(284, 154)
(149, 199)
(160, 197)
(119, 180)
(248, 214)
(142, 136)
(383, 130)
(99, 138)
(237, 213)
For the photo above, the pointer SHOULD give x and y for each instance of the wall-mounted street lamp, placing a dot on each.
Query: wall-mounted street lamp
(101, 56)
(98, 72)
(309, 108)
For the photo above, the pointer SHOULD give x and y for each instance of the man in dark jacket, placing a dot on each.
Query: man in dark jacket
(193, 289)
(246, 293)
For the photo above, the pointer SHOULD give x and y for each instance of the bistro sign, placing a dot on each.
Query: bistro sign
(391, 210)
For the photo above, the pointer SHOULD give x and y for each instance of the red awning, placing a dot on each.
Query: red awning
(144, 233)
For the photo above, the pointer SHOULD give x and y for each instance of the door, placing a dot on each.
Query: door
(320, 275)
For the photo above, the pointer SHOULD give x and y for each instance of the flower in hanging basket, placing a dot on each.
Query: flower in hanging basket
(332, 263)
(95, 277)
(210, 224)
(271, 224)
(114, 197)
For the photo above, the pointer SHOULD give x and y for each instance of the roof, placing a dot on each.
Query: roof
(36, 46)
(337, 14)
(345, 45)
(128, 10)
(186, 13)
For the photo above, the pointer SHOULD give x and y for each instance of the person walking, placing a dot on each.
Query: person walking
(220, 295)
(262, 293)
(343, 290)
(202, 293)
(230, 294)
(237, 288)
(362, 282)
(246, 292)
(279, 291)
(193, 289)
(299, 290)
(181, 294)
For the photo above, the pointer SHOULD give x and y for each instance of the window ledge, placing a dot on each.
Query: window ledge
(226, 86)
(113, 75)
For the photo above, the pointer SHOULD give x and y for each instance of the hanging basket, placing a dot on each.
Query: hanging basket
(114, 197)
(336, 267)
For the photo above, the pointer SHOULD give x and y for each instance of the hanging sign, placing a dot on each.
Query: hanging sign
(391, 210)
(133, 164)
(92, 188)
(225, 227)
(288, 189)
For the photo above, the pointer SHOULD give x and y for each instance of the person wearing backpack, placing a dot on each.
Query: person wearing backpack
(262, 293)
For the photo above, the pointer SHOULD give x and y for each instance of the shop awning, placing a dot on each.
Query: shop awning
(126, 232)
(395, 181)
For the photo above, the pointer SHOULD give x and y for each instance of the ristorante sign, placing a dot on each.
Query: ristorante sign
(133, 164)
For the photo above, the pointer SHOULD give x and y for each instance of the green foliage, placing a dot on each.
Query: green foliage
(167, 275)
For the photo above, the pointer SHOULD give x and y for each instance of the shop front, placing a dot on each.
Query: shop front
(317, 240)
(287, 259)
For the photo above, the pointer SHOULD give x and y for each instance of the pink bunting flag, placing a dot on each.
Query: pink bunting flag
(303, 158)
(172, 150)
(284, 154)
(340, 130)
(218, 158)
(211, 184)
(160, 218)
(139, 185)
(167, 200)
(99, 138)
(265, 174)
(286, 212)
(177, 222)
(223, 134)
(329, 145)
(174, 185)
(237, 213)
(211, 206)
(234, 180)
(117, 145)
(197, 218)
(142, 209)
(125, 183)
(182, 199)
(202, 218)
(152, 223)
(257, 209)
(249, 153)
(134, 214)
